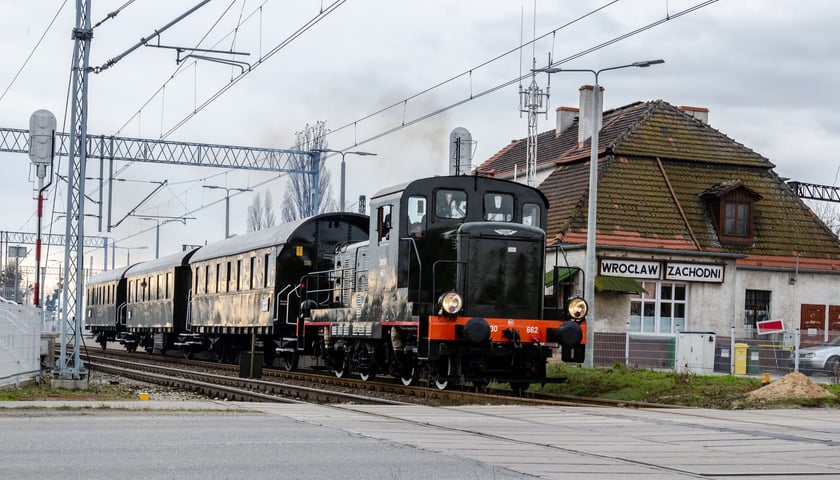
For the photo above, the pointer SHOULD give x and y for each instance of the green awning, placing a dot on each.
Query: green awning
(605, 283)
(563, 274)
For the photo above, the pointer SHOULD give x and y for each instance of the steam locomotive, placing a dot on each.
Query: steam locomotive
(445, 283)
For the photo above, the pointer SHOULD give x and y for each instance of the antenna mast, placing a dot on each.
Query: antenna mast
(533, 102)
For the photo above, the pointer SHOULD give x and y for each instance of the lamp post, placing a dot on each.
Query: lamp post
(166, 220)
(589, 265)
(127, 253)
(341, 204)
(227, 202)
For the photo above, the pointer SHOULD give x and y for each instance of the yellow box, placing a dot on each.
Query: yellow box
(143, 396)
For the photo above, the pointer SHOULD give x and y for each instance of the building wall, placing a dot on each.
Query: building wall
(717, 307)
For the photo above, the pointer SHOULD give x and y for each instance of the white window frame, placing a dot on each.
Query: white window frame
(654, 324)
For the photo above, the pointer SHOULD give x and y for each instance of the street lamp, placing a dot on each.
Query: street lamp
(341, 204)
(166, 220)
(591, 225)
(227, 202)
(127, 253)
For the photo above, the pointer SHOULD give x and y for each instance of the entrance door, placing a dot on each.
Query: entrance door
(812, 317)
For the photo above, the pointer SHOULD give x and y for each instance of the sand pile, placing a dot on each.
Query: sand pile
(792, 385)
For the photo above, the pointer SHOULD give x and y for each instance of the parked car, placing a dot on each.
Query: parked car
(823, 358)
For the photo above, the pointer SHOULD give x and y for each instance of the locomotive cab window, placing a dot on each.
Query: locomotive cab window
(531, 214)
(498, 207)
(416, 216)
(450, 204)
(383, 223)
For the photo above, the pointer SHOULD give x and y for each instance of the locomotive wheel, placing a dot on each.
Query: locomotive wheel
(407, 378)
(366, 363)
(290, 361)
(442, 376)
(342, 370)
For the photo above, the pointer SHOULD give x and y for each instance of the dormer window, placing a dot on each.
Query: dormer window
(731, 205)
(736, 218)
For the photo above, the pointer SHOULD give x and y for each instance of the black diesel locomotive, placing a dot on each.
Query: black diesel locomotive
(445, 283)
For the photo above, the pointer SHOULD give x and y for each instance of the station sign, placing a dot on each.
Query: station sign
(694, 272)
(619, 267)
(652, 270)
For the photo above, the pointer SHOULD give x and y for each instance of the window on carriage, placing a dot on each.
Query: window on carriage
(238, 274)
(416, 216)
(265, 270)
(251, 274)
(195, 287)
(383, 223)
(228, 278)
(498, 207)
(450, 204)
(157, 288)
(206, 279)
(531, 214)
(168, 278)
(218, 278)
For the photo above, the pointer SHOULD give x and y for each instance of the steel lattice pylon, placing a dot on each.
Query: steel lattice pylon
(69, 364)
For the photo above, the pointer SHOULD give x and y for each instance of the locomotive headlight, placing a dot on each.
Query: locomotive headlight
(450, 303)
(577, 308)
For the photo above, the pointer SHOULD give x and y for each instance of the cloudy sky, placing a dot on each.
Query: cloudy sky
(395, 78)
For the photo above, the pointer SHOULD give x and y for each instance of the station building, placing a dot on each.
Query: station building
(695, 231)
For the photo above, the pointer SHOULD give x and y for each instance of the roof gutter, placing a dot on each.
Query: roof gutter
(657, 251)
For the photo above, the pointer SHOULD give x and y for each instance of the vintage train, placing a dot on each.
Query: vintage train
(445, 282)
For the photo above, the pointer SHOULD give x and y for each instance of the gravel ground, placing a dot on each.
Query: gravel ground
(109, 385)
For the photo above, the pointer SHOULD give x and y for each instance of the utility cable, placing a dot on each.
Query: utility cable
(34, 49)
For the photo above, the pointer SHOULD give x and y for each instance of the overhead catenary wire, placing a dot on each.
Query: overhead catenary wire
(475, 95)
(519, 78)
(34, 49)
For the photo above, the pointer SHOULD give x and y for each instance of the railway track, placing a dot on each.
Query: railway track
(227, 387)
(278, 385)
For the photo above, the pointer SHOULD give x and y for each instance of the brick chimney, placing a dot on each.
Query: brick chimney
(699, 113)
(565, 118)
(588, 115)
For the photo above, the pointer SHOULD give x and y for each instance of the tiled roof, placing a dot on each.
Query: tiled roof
(656, 163)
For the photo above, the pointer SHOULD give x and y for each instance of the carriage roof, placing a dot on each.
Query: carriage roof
(162, 263)
(269, 237)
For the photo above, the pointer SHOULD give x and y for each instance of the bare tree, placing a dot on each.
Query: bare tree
(10, 282)
(261, 212)
(297, 202)
(828, 212)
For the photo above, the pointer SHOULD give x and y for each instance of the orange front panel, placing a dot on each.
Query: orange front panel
(443, 328)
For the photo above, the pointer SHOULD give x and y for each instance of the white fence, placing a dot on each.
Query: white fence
(20, 344)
